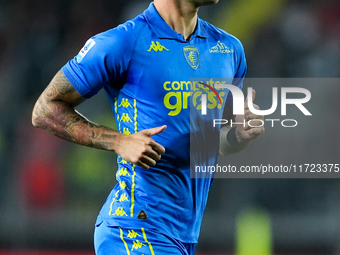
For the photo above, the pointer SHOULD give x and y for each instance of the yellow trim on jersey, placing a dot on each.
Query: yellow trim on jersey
(133, 166)
(116, 110)
(133, 191)
(113, 202)
(135, 106)
(146, 240)
(121, 237)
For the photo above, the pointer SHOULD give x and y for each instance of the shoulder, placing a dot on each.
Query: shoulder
(123, 35)
(218, 34)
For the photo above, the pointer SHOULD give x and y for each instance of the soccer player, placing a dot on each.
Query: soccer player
(146, 67)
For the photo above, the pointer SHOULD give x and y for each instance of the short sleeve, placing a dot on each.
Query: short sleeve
(103, 59)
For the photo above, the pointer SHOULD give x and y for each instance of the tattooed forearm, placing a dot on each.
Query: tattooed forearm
(55, 113)
(55, 121)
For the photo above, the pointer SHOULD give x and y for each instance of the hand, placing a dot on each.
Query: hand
(245, 133)
(139, 148)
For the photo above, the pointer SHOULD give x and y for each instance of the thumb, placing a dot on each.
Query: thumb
(154, 131)
(253, 93)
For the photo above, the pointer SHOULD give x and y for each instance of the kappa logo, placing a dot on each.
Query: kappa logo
(120, 212)
(123, 172)
(132, 234)
(157, 47)
(123, 185)
(125, 103)
(121, 161)
(123, 198)
(126, 131)
(220, 48)
(125, 117)
(137, 245)
(192, 56)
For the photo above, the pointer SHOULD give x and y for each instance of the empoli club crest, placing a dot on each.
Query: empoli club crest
(192, 56)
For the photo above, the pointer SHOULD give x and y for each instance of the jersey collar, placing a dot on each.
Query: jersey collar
(164, 31)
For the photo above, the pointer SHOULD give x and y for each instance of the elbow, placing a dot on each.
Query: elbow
(35, 123)
(224, 152)
(35, 116)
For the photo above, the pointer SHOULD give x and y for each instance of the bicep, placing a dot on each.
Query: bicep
(60, 89)
(58, 96)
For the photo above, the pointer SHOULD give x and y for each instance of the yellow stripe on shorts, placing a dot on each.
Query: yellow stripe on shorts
(121, 237)
(146, 240)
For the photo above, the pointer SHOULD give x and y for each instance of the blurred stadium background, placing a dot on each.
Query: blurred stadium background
(51, 190)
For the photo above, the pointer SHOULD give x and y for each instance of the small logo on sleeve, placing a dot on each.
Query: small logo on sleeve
(82, 53)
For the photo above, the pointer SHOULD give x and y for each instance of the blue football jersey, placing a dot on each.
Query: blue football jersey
(148, 71)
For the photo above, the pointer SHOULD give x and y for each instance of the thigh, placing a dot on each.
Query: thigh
(123, 241)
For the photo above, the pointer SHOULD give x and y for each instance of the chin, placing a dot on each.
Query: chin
(206, 2)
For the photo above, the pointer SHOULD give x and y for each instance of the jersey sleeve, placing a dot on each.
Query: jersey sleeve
(101, 62)
(240, 72)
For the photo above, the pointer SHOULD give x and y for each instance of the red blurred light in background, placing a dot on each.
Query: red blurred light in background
(42, 184)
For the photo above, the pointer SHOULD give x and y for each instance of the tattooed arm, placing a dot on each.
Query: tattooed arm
(54, 111)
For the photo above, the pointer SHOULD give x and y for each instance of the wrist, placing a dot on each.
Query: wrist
(231, 137)
(118, 142)
(235, 139)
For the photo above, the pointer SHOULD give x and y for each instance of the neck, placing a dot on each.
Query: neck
(181, 16)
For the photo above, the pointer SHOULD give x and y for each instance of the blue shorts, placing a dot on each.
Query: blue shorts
(123, 241)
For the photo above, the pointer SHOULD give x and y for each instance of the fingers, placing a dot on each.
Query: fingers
(257, 131)
(140, 149)
(154, 131)
(142, 165)
(248, 115)
(253, 95)
(157, 147)
(151, 153)
(148, 158)
(253, 126)
(154, 145)
(146, 162)
(247, 101)
(256, 120)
